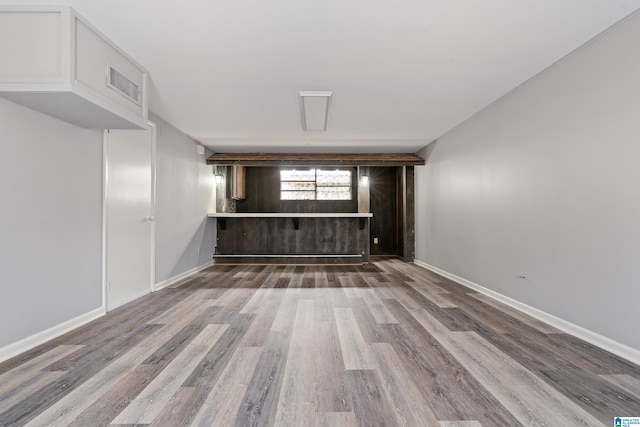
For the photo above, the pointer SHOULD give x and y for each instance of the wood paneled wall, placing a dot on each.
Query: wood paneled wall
(391, 201)
(384, 206)
(263, 195)
(279, 236)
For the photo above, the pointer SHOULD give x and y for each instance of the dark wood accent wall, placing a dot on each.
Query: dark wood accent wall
(409, 221)
(400, 200)
(262, 193)
(280, 236)
(384, 206)
(392, 203)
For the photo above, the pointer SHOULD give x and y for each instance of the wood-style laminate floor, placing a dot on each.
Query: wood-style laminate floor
(383, 344)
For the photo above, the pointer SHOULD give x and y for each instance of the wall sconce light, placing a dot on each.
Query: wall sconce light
(364, 179)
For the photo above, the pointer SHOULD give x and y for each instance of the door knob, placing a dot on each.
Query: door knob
(149, 218)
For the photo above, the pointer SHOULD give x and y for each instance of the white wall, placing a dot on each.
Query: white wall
(50, 222)
(185, 194)
(545, 184)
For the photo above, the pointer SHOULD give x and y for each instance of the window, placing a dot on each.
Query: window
(315, 184)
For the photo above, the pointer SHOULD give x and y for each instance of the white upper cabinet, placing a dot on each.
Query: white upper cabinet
(54, 61)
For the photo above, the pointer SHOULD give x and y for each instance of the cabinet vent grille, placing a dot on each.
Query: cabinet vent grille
(123, 85)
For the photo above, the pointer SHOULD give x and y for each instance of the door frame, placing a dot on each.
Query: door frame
(105, 181)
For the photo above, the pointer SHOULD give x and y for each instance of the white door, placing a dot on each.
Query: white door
(129, 214)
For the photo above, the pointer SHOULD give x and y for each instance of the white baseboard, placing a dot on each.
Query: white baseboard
(130, 299)
(35, 340)
(175, 279)
(594, 338)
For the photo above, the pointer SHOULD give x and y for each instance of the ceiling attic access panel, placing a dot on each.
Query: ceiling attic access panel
(315, 159)
(56, 62)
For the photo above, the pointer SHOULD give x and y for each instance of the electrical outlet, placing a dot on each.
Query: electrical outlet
(375, 240)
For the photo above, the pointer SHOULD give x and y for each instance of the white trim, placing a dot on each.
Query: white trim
(35, 340)
(175, 279)
(589, 336)
(152, 276)
(130, 299)
(105, 181)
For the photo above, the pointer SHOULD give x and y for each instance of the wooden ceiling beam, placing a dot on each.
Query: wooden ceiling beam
(315, 159)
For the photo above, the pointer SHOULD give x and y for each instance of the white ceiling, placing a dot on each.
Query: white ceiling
(402, 72)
